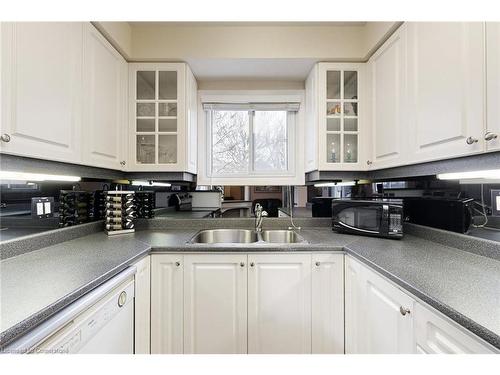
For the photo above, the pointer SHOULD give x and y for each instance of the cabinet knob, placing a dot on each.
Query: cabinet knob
(369, 162)
(318, 264)
(177, 264)
(5, 138)
(123, 162)
(404, 310)
(489, 136)
(252, 264)
(471, 140)
(242, 264)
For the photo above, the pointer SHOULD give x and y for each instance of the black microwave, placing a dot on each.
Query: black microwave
(379, 218)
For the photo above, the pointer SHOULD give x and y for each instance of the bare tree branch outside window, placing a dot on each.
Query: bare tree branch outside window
(231, 141)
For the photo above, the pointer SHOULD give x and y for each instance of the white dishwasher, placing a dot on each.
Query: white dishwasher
(101, 322)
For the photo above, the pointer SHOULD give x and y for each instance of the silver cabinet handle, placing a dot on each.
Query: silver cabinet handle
(471, 140)
(5, 138)
(369, 162)
(404, 310)
(122, 298)
(177, 264)
(252, 264)
(242, 264)
(123, 162)
(318, 264)
(489, 136)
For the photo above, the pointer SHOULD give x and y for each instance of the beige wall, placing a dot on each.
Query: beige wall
(180, 42)
(119, 34)
(251, 85)
(177, 42)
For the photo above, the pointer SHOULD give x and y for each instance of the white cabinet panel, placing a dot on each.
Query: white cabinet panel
(493, 83)
(279, 300)
(166, 304)
(436, 335)
(215, 304)
(379, 316)
(388, 76)
(446, 89)
(387, 331)
(191, 122)
(353, 307)
(41, 89)
(105, 88)
(142, 314)
(327, 303)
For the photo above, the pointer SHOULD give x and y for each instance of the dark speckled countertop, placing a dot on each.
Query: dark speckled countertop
(463, 285)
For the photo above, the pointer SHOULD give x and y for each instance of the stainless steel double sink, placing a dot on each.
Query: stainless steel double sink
(245, 236)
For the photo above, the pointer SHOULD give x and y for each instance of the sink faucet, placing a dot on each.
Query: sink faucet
(259, 216)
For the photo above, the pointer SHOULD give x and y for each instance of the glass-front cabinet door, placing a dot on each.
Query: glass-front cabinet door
(157, 95)
(340, 103)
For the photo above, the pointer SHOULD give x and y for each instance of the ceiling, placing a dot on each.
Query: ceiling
(247, 69)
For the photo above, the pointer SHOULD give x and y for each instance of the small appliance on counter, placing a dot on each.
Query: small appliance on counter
(452, 214)
(181, 201)
(379, 218)
(120, 212)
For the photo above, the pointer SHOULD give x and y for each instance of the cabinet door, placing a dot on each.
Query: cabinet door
(342, 140)
(328, 304)
(436, 335)
(41, 89)
(354, 316)
(386, 329)
(215, 304)
(157, 100)
(105, 85)
(142, 316)
(388, 77)
(493, 84)
(166, 304)
(279, 303)
(446, 89)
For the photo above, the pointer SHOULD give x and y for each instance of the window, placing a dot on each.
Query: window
(250, 140)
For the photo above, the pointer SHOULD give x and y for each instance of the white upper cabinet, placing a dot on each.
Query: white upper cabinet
(41, 90)
(446, 89)
(162, 114)
(279, 303)
(215, 304)
(104, 116)
(493, 86)
(387, 71)
(336, 137)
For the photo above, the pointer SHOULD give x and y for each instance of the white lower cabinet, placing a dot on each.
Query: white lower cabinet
(279, 303)
(382, 319)
(167, 304)
(382, 315)
(327, 304)
(215, 304)
(436, 335)
(142, 313)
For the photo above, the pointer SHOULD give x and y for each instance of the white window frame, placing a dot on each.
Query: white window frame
(294, 175)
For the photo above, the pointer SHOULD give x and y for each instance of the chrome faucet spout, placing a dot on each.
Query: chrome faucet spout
(259, 217)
